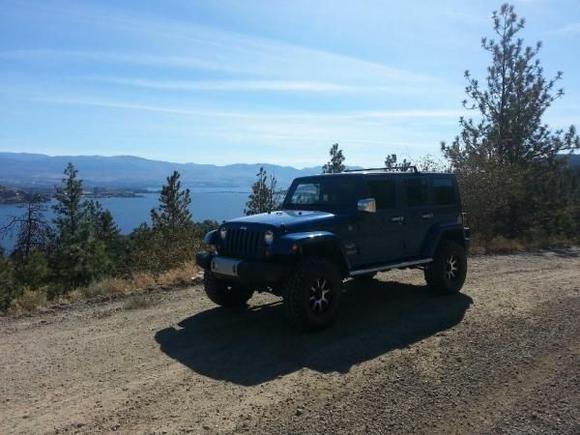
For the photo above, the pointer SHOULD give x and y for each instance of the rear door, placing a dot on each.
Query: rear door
(445, 199)
(418, 212)
(386, 236)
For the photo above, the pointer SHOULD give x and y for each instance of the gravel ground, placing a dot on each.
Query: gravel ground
(502, 357)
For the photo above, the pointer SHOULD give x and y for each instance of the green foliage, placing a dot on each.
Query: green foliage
(105, 230)
(173, 212)
(264, 197)
(507, 160)
(68, 208)
(336, 162)
(81, 260)
(173, 238)
(32, 271)
(8, 287)
(80, 255)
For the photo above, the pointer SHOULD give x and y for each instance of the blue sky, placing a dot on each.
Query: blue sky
(256, 81)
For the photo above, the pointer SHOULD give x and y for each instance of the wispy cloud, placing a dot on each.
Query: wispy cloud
(101, 57)
(569, 29)
(344, 115)
(302, 86)
(180, 44)
(231, 85)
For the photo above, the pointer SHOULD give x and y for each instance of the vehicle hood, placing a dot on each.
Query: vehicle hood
(285, 219)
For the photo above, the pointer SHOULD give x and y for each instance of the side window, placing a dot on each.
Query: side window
(416, 193)
(384, 192)
(443, 191)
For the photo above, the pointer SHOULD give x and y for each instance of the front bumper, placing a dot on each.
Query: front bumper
(251, 271)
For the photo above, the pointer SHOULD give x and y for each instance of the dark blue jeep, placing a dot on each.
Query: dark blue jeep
(335, 226)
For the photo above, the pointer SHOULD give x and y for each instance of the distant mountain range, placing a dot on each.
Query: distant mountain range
(40, 171)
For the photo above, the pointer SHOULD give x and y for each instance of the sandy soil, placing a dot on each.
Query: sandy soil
(503, 356)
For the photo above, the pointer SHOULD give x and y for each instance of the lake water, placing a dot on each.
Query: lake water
(131, 212)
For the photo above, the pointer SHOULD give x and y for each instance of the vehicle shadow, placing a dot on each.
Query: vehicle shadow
(256, 345)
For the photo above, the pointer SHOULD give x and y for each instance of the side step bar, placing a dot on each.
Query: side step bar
(391, 266)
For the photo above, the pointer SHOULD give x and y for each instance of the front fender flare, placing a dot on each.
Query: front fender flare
(284, 245)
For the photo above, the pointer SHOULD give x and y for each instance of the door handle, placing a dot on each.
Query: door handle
(427, 215)
(398, 219)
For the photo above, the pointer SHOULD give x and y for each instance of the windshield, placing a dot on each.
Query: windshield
(330, 192)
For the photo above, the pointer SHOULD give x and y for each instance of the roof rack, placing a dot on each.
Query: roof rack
(403, 168)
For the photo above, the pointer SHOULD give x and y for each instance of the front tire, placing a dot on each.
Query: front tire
(225, 293)
(312, 294)
(446, 274)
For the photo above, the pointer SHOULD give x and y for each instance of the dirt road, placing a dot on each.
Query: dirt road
(504, 356)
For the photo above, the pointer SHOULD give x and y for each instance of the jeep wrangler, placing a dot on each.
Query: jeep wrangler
(337, 226)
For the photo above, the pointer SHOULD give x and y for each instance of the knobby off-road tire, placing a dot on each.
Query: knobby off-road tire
(312, 294)
(225, 293)
(446, 274)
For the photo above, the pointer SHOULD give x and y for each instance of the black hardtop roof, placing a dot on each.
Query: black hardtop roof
(372, 172)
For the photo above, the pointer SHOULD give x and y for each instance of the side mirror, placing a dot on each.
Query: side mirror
(368, 205)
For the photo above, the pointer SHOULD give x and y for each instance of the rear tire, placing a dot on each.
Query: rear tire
(312, 294)
(225, 293)
(446, 274)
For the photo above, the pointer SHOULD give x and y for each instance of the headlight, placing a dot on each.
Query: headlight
(223, 233)
(268, 237)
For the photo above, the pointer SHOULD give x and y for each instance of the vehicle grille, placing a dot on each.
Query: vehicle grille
(243, 243)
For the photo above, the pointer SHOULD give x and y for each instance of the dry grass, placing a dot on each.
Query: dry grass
(501, 245)
(106, 287)
(137, 302)
(29, 300)
(143, 280)
(180, 276)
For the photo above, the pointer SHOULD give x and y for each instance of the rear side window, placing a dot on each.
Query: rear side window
(416, 193)
(384, 193)
(443, 191)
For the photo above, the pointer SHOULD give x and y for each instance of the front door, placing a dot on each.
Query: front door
(382, 232)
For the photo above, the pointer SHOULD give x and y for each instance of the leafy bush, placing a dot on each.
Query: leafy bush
(32, 271)
(8, 287)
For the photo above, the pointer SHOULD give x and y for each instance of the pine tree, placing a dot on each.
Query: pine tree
(173, 212)
(102, 222)
(264, 197)
(69, 209)
(336, 162)
(507, 160)
(79, 257)
(170, 241)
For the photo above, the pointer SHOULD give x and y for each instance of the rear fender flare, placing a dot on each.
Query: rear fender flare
(454, 232)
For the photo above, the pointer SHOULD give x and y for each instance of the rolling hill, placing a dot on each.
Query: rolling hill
(39, 170)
